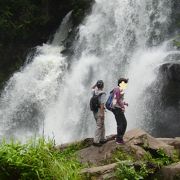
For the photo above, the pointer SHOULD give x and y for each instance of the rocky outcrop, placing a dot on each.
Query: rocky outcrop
(97, 155)
(171, 172)
(172, 141)
(82, 143)
(138, 144)
(106, 171)
(100, 170)
(137, 141)
(140, 138)
(175, 17)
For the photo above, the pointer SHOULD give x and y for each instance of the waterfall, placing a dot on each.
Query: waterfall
(30, 92)
(119, 38)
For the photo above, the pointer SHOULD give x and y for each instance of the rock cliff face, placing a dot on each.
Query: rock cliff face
(165, 106)
(26, 24)
(175, 18)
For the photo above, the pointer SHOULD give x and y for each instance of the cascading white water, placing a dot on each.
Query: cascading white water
(31, 91)
(115, 40)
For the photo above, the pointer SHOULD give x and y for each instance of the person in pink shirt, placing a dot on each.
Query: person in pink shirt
(119, 109)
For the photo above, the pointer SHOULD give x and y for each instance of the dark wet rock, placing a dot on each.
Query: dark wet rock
(175, 17)
(164, 105)
(171, 71)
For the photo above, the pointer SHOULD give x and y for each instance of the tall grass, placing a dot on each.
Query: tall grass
(37, 159)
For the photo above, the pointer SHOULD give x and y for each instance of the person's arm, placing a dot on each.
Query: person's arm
(102, 110)
(120, 101)
(114, 101)
(122, 94)
(94, 87)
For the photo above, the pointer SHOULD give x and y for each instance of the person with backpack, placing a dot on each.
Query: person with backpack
(118, 109)
(97, 102)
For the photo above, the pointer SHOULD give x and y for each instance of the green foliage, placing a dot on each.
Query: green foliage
(120, 154)
(80, 8)
(21, 20)
(18, 18)
(176, 43)
(150, 165)
(37, 160)
(77, 146)
(23, 24)
(27, 23)
(177, 176)
(161, 158)
(2, 78)
(128, 171)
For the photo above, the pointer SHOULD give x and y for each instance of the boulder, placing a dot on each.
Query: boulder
(170, 172)
(171, 71)
(171, 141)
(84, 143)
(106, 171)
(147, 142)
(95, 154)
(100, 169)
(138, 151)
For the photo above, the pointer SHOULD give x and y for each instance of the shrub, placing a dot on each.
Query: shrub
(37, 160)
(149, 165)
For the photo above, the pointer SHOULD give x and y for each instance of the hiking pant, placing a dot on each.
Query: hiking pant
(121, 123)
(100, 128)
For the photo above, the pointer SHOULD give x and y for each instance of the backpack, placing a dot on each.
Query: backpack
(109, 101)
(94, 102)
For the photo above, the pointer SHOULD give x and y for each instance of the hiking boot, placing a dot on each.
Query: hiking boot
(103, 141)
(120, 142)
(97, 144)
